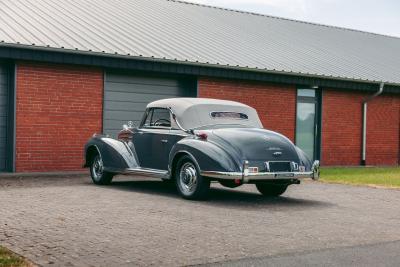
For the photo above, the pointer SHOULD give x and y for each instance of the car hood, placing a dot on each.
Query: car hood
(252, 144)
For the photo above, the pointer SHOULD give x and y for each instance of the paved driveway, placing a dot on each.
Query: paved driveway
(70, 222)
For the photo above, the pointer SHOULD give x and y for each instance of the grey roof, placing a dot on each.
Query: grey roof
(166, 30)
(193, 113)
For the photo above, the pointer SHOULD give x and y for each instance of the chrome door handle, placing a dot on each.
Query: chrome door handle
(164, 141)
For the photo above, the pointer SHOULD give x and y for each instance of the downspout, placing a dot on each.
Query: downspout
(364, 123)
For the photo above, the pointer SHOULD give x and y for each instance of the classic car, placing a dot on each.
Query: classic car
(193, 141)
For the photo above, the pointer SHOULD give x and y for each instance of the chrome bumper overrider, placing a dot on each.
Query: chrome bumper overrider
(246, 177)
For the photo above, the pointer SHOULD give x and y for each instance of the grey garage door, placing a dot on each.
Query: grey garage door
(3, 116)
(126, 97)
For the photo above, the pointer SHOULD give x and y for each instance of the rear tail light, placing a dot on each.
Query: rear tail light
(202, 136)
(253, 169)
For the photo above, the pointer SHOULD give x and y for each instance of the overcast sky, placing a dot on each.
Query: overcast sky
(379, 16)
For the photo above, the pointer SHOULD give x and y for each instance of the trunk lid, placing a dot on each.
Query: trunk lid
(255, 145)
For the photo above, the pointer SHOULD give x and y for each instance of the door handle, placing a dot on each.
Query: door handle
(164, 141)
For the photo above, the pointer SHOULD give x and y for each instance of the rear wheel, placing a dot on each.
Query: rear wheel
(99, 176)
(271, 190)
(189, 182)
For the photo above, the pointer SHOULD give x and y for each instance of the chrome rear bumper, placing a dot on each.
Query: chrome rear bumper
(247, 177)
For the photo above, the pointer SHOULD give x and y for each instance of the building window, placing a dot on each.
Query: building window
(308, 121)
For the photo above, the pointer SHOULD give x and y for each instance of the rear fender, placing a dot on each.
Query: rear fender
(207, 155)
(116, 155)
(304, 160)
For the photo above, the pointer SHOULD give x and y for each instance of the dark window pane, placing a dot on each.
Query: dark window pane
(148, 118)
(305, 128)
(161, 117)
(306, 92)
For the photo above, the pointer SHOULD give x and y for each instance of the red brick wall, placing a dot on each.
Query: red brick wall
(58, 109)
(342, 118)
(342, 129)
(383, 130)
(275, 104)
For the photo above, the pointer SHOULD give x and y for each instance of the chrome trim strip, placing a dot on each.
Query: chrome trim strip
(148, 172)
(177, 122)
(316, 170)
(257, 176)
(245, 171)
(141, 172)
(246, 177)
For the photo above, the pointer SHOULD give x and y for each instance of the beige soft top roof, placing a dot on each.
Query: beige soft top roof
(195, 112)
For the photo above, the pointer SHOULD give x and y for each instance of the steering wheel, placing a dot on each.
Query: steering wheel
(162, 122)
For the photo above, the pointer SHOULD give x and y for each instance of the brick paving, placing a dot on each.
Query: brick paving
(70, 222)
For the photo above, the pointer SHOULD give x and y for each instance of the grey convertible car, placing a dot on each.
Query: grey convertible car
(193, 141)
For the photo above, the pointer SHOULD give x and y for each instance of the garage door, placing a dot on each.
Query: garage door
(126, 97)
(3, 116)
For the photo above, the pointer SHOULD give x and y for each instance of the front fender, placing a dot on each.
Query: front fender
(116, 155)
(208, 155)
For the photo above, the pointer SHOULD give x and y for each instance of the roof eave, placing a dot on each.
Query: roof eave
(116, 56)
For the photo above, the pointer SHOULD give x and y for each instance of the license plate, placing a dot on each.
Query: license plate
(279, 166)
(284, 175)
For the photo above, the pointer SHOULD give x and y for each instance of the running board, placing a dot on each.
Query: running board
(142, 172)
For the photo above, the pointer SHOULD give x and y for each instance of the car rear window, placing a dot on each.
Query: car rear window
(229, 115)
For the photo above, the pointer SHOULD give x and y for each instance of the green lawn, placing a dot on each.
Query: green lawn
(9, 259)
(373, 176)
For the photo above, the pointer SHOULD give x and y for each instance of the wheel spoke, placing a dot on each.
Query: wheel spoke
(97, 168)
(188, 178)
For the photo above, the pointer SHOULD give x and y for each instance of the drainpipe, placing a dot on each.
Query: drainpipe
(364, 123)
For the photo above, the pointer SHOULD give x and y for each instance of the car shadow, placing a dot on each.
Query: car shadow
(236, 198)
(222, 197)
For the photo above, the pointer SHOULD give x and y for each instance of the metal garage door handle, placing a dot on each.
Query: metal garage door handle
(164, 141)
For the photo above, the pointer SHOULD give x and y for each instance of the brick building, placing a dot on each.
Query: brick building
(68, 71)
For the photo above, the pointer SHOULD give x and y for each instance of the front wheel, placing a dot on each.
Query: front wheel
(189, 182)
(271, 190)
(99, 176)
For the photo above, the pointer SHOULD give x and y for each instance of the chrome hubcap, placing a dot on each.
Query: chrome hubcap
(188, 178)
(97, 168)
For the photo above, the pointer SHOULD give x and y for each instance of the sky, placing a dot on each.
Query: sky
(378, 16)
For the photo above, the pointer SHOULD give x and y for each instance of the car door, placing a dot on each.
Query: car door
(153, 140)
(141, 140)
